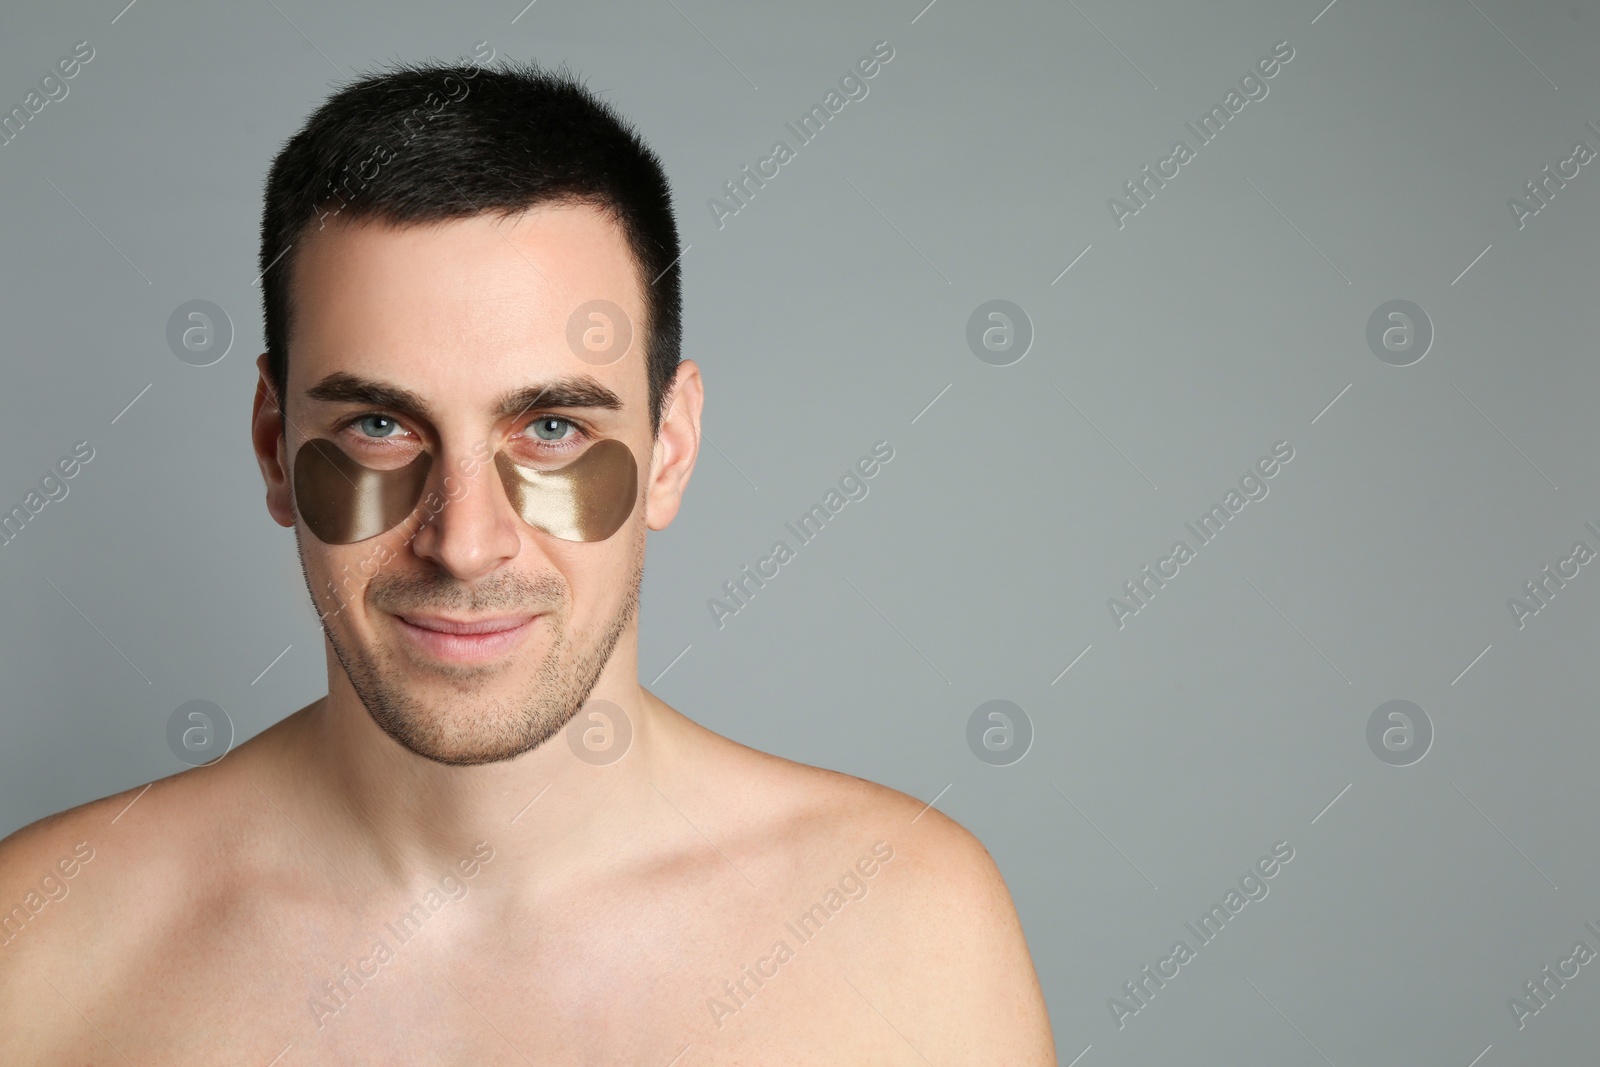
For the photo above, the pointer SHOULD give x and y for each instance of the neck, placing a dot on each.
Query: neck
(398, 819)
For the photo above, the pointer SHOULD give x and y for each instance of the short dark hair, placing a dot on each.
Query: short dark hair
(423, 143)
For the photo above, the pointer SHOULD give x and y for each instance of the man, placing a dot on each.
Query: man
(488, 843)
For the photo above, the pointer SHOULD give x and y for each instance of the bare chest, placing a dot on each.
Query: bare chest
(628, 979)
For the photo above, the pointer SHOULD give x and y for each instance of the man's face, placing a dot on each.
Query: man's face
(469, 635)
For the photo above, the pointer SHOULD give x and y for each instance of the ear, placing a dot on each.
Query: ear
(271, 448)
(676, 446)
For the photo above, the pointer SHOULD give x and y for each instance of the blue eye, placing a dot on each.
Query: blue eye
(377, 425)
(550, 428)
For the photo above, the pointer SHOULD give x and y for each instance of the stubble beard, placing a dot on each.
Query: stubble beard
(468, 727)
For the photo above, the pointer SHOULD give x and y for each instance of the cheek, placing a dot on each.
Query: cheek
(604, 585)
(338, 575)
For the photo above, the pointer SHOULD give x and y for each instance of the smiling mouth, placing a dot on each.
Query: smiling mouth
(465, 640)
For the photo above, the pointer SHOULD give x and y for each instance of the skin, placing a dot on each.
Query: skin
(579, 912)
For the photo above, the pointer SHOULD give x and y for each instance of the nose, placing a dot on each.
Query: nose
(475, 530)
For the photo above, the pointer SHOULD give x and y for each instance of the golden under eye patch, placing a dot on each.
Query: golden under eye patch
(343, 502)
(587, 500)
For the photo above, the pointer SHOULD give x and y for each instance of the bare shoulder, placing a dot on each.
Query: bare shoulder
(931, 938)
(90, 894)
(44, 862)
(811, 815)
(101, 861)
(55, 918)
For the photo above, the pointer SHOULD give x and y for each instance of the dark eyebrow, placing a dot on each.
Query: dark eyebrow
(571, 392)
(342, 388)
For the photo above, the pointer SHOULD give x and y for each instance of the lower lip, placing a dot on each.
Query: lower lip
(465, 648)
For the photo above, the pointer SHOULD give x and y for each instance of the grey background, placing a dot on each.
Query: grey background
(828, 314)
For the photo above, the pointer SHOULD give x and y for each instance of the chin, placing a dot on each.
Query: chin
(472, 730)
(467, 715)
(461, 749)
(470, 724)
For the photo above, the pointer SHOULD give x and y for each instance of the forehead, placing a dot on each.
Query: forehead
(462, 310)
